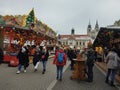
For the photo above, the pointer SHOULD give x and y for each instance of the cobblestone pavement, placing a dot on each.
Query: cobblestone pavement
(31, 80)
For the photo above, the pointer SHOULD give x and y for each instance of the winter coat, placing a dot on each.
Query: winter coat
(90, 57)
(36, 57)
(56, 58)
(23, 58)
(45, 54)
(112, 60)
(72, 54)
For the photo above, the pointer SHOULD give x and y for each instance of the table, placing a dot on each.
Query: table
(79, 69)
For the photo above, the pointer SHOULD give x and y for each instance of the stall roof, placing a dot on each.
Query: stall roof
(107, 37)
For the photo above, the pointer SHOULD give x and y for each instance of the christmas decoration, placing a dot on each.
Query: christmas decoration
(30, 19)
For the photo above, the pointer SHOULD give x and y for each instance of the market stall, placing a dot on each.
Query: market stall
(107, 38)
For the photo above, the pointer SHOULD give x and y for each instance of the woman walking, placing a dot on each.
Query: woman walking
(112, 62)
(22, 57)
(36, 58)
(60, 61)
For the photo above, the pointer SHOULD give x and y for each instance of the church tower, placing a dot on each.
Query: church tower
(89, 28)
(72, 31)
(97, 26)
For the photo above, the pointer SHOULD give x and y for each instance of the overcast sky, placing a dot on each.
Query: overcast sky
(63, 15)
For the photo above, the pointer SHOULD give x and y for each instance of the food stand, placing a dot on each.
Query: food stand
(107, 38)
(13, 38)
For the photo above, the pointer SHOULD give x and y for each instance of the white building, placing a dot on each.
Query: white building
(93, 32)
(78, 41)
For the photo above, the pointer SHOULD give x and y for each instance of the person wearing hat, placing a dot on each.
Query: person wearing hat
(60, 65)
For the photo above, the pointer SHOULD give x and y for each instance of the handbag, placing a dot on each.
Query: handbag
(43, 56)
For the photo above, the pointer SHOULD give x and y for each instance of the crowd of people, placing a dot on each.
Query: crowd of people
(41, 54)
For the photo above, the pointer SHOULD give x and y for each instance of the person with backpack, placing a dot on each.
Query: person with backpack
(60, 61)
(90, 63)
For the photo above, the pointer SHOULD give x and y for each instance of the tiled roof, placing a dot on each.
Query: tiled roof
(74, 36)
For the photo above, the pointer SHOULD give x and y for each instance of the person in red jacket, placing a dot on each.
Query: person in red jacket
(60, 64)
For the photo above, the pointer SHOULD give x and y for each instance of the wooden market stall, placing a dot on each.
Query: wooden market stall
(107, 38)
(13, 38)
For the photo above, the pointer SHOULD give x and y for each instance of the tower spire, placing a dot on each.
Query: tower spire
(96, 26)
(89, 28)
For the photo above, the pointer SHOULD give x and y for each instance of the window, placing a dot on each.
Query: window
(70, 43)
(77, 43)
(66, 43)
(83, 43)
(80, 43)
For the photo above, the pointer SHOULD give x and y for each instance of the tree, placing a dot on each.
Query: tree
(30, 19)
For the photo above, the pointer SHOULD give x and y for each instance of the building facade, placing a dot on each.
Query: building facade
(78, 41)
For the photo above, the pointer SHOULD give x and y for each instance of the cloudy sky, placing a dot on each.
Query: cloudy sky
(63, 15)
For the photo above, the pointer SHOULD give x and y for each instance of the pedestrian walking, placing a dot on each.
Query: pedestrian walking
(36, 58)
(90, 63)
(23, 59)
(60, 61)
(44, 58)
(27, 52)
(1, 55)
(112, 63)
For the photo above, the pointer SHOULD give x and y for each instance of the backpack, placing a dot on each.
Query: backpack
(60, 57)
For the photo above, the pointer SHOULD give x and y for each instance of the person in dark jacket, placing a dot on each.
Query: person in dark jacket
(22, 57)
(90, 64)
(60, 65)
(72, 55)
(44, 58)
(36, 58)
(27, 55)
(1, 55)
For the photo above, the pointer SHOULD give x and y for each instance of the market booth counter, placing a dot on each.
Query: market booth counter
(79, 68)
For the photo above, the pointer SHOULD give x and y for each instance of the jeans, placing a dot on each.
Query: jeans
(112, 72)
(20, 66)
(59, 71)
(44, 64)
